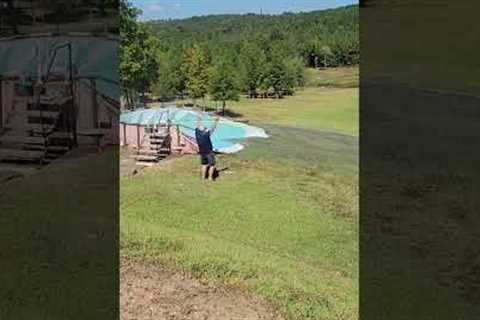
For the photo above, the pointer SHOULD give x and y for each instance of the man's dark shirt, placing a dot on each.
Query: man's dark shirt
(203, 141)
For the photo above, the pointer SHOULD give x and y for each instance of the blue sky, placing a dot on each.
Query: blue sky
(177, 9)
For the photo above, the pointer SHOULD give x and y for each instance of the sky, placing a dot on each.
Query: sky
(179, 9)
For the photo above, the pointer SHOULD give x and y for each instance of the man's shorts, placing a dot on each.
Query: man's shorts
(207, 159)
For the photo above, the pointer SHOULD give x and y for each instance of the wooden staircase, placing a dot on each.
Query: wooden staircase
(156, 149)
(35, 138)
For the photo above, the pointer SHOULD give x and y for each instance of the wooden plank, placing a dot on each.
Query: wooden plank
(15, 154)
(22, 139)
(178, 135)
(138, 136)
(147, 152)
(124, 134)
(33, 147)
(61, 135)
(159, 149)
(1, 104)
(93, 83)
(91, 132)
(39, 126)
(36, 127)
(144, 164)
(146, 158)
(58, 149)
(158, 136)
(43, 114)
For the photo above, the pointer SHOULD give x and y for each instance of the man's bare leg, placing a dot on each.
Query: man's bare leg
(204, 172)
(211, 172)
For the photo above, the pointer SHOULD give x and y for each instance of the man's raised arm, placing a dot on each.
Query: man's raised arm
(199, 122)
(215, 124)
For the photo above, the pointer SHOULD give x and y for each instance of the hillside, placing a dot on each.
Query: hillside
(306, 34)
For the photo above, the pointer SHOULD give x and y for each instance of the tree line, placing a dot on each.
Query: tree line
(227, 55)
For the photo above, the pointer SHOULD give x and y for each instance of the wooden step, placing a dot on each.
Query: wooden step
(44, 107)
(159, 148)
(147, 152)
(60, 135)
(22, 139)
(57, 149)
(158, 136)
(37, 128)
(43, 114)
(145, 164)
(15, 154)
(146, 158)
(52, 156)
(34, 147)
(26, 126)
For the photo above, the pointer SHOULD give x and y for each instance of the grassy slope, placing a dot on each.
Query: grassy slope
(433, 48)
(281, 221)
(58, 241)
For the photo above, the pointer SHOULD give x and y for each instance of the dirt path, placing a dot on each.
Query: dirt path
(154, 293)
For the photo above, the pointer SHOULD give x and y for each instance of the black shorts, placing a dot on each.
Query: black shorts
(207, 159)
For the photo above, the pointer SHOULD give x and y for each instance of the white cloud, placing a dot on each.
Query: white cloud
(155, 7)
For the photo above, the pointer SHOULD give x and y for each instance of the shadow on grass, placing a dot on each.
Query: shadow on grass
(228, 113)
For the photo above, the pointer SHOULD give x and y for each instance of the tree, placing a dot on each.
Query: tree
(171, 81)
(265, 51)
(138, 58)
(224, 85)
(196, 72)
(326, 53)
(294, 74)
(275, 75)
(252, 64)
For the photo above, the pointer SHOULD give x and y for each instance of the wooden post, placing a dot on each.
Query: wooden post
(138, 136)
(93, 84)
(124, 134)
(1, 103)
(178, 136)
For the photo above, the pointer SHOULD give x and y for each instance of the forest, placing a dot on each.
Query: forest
(225, 56)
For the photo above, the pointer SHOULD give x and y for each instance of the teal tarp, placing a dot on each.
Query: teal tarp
(227, 138)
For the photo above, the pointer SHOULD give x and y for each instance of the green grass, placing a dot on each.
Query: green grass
(331, 109)
(288, 233)
(59, 242)
(344, 77)
(424, 43)
(282, 221)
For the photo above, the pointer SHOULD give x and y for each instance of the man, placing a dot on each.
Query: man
(207, 157)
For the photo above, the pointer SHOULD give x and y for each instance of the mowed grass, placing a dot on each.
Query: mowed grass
(329, 101)
(282, 220)
(343, 77)
(423, 43)
(332, 109)
(59, 241)
(287, 233)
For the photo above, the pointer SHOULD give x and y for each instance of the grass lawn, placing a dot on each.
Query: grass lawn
(328, 102)
(343, 77)
(59, 242)
(433, 48)
(331, 109)
(282, 221)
